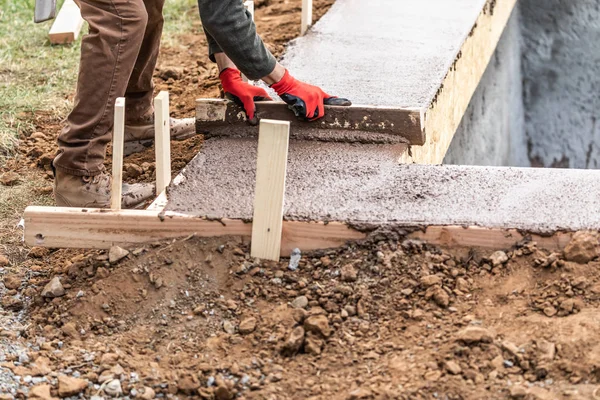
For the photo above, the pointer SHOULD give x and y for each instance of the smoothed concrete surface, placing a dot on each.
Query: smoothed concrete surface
(363, 183)
(385, 53)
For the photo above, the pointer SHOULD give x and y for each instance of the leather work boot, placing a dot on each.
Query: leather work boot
(181, 128)
(94, 191)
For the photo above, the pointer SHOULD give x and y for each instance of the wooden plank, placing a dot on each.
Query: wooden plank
(68, 24)
(368, 124)
(454, 95)
(307, 16)
(67, 227)
(118, 141)
(162, 140)
(271, 167)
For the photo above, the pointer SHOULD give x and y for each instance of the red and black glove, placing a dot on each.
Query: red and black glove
(306, 101)
(242, 93)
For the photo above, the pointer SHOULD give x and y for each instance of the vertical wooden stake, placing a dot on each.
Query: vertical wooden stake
(271, 165)
(307, 9)
(250, 7)
(162, 141)
(118, 141)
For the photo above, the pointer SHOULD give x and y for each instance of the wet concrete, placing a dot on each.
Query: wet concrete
(364, 184)
(385, 53)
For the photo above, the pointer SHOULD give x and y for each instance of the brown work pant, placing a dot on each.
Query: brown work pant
(118, 57)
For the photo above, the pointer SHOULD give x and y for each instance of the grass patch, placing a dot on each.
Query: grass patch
(35, 75)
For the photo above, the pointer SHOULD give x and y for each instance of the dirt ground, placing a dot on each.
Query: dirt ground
(388, 318)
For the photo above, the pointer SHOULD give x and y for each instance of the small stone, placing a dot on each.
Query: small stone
(223, 393)
(300, 302)
(360, 394)
(566, 307)
(158, 283)
(550, 311)
(167, 73)
(294, 342)
(10, 178)
(69, 386)
(113, 388)
(132, 170)
(349, 273)
(247, 326)
(188, 384)
(583, 247)
(441, 298)
(53, 289)
(462, 285)
(430, 280)
(69, 329)
(313, 345)
(318, 324)
(498, 258)
(3, 261)
(228, 327)
(518, 392)
(294, 259)
(147, 393)
(407, 291)
(116, 254)
(452, 367)
(40, 392)
(475, 334)
(199, 310)
(12, 282)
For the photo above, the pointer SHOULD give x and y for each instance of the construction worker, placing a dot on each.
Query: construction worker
(118, 58)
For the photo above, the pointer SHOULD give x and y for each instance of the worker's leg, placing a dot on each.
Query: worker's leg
(108, 55)
(139, 96)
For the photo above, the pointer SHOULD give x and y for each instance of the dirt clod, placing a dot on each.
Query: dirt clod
(247, 326)
(318, 324)
(475, 334)
(69, 386)
(583, 247)
(10, 178)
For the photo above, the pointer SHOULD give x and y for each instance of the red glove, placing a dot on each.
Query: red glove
(241, 92)
(306, 101)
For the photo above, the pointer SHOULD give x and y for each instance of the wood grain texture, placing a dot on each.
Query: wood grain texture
(271, 168)
(162, 140)
(448, 106)
(66, 227)
(118, 141)
(68, 24)
(307, 16)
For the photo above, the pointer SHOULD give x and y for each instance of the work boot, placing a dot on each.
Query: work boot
(143, 129)
(94, 191)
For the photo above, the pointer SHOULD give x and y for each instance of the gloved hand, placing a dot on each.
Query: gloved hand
(242, 93)
(306, 101)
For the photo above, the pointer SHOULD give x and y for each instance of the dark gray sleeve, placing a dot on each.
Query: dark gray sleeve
(230, 29)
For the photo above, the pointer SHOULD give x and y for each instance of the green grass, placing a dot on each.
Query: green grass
(35, 76)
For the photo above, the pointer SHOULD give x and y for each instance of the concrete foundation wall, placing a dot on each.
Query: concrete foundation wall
(561, 79)
(492, 130)
(538, 103)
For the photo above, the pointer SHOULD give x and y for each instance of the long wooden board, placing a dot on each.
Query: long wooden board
(118, 141)
(68, 24)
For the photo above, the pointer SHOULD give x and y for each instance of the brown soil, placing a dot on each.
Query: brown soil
(393, 319)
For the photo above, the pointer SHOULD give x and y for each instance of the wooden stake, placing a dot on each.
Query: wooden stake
(68, 24)
(306, 22)
(117, 161)
(271, 165)
(162, 141)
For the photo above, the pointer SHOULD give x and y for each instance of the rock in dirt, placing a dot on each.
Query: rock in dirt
(440, 297)
(70, 330)
(431, 280)
(300, 302)
(318, 324)
(228, 327)
(475, 334)
(147, 393)
(167, 73)
(550, 311)
(518, 392)
(12, 281)
(294, 342)
(40, 392)
(113, 388)
(69, 386)
(3, 261)
(10, 178)
(360, 394)
(223, 393)
(188, 384)
(247, 326)
(313, 345)
(583, 247)
(116, 254)
(349, 273)
(538, 393)
(452, 367)
(294, 259)
(498, 258)
(53, 289)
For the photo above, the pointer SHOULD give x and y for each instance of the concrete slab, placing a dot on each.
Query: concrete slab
(392, 53)
(364, 184)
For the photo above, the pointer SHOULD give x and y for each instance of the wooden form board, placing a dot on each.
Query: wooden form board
(68, 24)
(442, 118)
(307, 16)
(396, 124)
(271, 167)
(162, 140)
(118, 142)
(63, 227)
